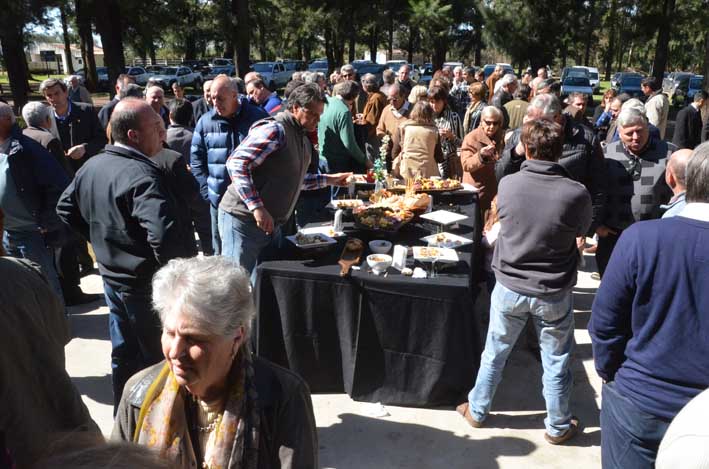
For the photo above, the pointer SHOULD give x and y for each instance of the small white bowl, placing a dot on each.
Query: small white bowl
(380, 246)
(379, 263)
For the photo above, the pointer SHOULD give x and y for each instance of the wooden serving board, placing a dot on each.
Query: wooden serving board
(351, 255)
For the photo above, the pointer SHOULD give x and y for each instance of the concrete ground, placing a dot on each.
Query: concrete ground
(351, 436)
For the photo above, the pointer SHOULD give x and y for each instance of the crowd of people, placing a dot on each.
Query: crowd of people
(243, 165)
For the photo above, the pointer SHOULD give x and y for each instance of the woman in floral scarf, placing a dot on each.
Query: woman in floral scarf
(450, 130)
(210, 404)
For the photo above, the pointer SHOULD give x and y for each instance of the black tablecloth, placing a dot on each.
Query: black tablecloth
(393, 339)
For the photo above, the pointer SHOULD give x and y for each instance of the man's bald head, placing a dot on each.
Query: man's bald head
(136, 124)
(224, 92)
(676, 174)
(253, 76)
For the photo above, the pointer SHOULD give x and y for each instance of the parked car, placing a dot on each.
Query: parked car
(153, 70)
(363, 67)
(593, 78)
(629, 83)
(696, 83)
(679, 87)
(489, 68)
(320, 66)
(182, 75)
(395, 65)
(426, 74)
(576, 72)
(195, 65)
(220, 62)
(139, 74)
(212, 72)
(293, 66)
(101, 74)
(274, 74)
(576, 84)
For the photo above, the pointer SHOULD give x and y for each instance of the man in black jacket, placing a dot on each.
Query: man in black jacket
(104, 115)
(121, 201)
(688, 125)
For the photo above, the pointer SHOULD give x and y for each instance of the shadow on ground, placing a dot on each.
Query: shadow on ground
(89, 326)
(360, 441)
(98, 388)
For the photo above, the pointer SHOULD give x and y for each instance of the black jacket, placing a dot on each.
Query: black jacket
(82, 126)
(199, 108)
(104, 115)
(705, 131)
(179, 139)
(499, 100)
(688, 128)
(122, 202)
(39, 180)
(582, 158)
(52, 144)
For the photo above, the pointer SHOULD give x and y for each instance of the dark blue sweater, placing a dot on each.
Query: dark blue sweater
(650, 320)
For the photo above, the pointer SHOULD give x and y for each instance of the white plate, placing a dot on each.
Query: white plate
(347, 204)
(428, 254)
(450, 240)
(469, 188)
(325, 241)
(444, 217)
(324, 229)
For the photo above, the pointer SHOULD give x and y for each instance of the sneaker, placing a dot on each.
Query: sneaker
(569, 434)
(464, 410)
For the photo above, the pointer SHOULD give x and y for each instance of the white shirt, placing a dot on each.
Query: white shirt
(696, 211)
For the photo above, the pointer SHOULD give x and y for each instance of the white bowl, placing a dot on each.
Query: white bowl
(380, 246)
(379, 263)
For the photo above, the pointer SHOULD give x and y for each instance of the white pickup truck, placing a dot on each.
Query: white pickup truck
(274, 74)
(182, 75)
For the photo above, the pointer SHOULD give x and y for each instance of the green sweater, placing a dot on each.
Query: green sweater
(337, 139)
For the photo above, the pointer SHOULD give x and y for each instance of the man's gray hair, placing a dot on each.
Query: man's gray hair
(398, 89)
(36, 113)
(50, 82)
(6, 111)
(304, 95)
(348, 89)
(239, 83)
(309, 77)
(507, 80)
(698, 174)
(631, 116)
(492, 111)
(131, 90)
(347, 68)
(125, 118)
(211, 291)
(547, 105)
(634, 103)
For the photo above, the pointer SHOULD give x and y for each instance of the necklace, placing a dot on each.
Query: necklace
(209, 427)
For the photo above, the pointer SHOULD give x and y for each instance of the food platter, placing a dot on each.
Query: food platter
(432, 185)
(433, 254)
(311, 241)
(346, 204)
(380, 218)
(327, 230)
(446, 240)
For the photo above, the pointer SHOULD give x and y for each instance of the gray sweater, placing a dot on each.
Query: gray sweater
(542, 211)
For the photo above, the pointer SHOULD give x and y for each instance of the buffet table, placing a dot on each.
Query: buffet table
(391, 339)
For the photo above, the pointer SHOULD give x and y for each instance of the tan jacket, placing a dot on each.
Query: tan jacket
(657, 109)
(419, 149)
(388, 122)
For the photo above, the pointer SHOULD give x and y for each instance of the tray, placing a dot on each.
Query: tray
(449, 240)
(325, 241)
(430, 254)
(324, 229)
(444, 217)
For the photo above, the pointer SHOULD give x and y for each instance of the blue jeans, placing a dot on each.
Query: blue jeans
(244, 242)
(630, 437)
(554, 321)
(135, 335)
(216, 239)
(30, 245)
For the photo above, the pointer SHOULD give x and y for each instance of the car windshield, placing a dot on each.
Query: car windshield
(320, 64)
(594, 76)
(395, 66)
(262, 68)
(576, 81)
(169, 71)
(696, 82)
(632, 81)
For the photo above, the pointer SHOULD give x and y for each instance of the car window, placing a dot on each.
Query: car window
(696, 82)
(631, 81)
(577, 81)
(263, 68)
(169, 71)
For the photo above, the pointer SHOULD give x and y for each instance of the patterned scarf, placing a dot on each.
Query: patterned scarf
(162, 423)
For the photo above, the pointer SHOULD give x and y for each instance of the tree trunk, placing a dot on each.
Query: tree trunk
(110, 26)
(412, 39)
(608, 63)
(153, 52)
(590, 32)
(84, 12)
(706, 61)
(440, 48)
(242, 36)
(373, 42)
(663, 40)
(12, 44)
(390, 49)
(352, 41)
(329, 52)
(67, 43)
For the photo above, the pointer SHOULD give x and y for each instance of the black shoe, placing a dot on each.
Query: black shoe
(81, 299)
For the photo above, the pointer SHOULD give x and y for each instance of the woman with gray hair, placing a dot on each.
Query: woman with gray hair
(481, 149)
(41, 128)
(211, 403)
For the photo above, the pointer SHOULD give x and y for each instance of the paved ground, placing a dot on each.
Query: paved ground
(350, 437)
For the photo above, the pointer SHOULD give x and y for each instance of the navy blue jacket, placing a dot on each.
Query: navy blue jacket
(214, 139)
(650, 319)
(39, 180)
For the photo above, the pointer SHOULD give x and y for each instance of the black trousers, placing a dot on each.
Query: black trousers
(604, 251)
(68, 269)
(202, 221)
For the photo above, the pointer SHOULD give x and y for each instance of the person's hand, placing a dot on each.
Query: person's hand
(446, 134)
(608, 105)
(264, 220)
(580, 242)
(519, 149)
(76, 152)
(337, 179)
(603, 231)
(487, 153)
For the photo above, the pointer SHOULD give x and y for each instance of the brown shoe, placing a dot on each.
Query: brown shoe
(570, 433)
(463, 409)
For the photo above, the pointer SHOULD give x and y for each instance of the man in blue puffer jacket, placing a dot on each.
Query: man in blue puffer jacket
(217, 134)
